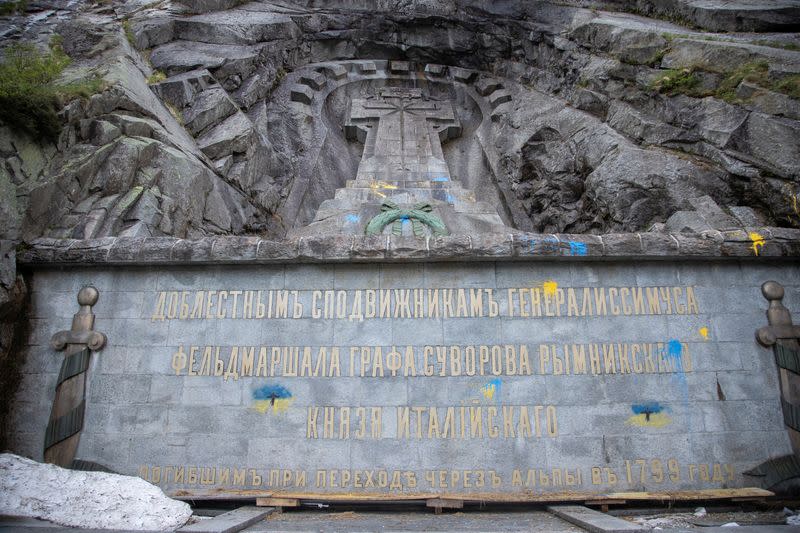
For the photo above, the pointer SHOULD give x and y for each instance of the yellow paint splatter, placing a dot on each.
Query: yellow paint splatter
(656, 420)
(374, 188)
(704, 332)
(279, 405)
(550, 288)
(376, 185)
(758, 241)
(490, 389)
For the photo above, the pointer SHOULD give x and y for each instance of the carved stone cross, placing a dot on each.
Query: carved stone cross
(402, 135)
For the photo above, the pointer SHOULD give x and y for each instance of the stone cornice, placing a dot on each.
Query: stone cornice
(776, 243)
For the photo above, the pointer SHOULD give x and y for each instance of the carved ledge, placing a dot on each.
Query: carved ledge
(776, 243)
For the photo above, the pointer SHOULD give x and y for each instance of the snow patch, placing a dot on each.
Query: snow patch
(85, 499)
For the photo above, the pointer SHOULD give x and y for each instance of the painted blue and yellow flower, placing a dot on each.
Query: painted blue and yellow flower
(651, 414)
(275, 398)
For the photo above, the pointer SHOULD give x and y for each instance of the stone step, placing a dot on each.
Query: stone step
(301, 93)
(486, 86)
(315, 80)
(333, 70)
(592, 520)
(412, 184)
(230, 522)
(358, 196)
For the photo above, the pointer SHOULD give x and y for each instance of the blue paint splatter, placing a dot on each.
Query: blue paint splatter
(577, 248)
(271, 392)
(440, 178)
(675, 353)
(647, 408)
(353, 219)
(553, 245)
(547, 245)
(450, 199)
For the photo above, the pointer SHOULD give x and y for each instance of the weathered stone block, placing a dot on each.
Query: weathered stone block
(233, 248)
(707, 246)
(194, 251)
(399, 67)
(462, 75)
(89, 251)
(622, 244)
(450, 246)
(302, 94)
(497, 245)
(532, 244)
(486, 86)
(272, 250)
(659, 244)
(179, 90)
(334, 70)
(315, 80)
(367, 68)
(743, 244)
(370, 246)
(325, 247)
(499, 97)
(158, 249)
(580, 245)
(126, 250)
(45, 249)
(436, 70)
(407, 247)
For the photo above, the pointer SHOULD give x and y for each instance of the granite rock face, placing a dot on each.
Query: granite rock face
(241, 128)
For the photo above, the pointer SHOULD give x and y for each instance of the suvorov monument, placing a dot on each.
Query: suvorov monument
(447, 251)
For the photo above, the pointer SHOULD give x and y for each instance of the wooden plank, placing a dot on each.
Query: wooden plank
(277, 502)
(444, 503)
(521, 497)
(692, 495)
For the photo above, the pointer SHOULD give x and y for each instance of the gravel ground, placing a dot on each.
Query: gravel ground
(537, 521)
(700, 520)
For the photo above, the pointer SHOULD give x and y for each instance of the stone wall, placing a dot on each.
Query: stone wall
(677, 379)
